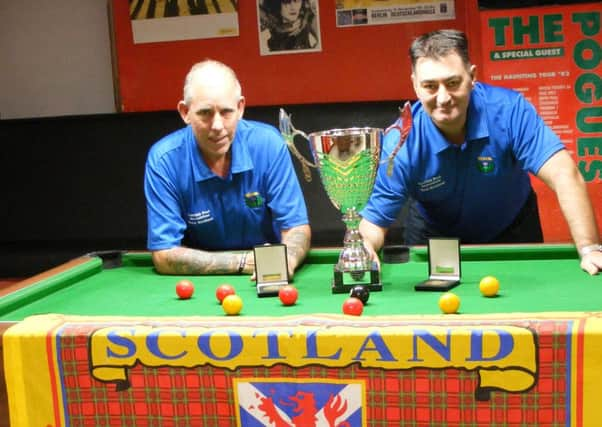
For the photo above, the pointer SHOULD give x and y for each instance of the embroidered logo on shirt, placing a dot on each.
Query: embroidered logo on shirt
(431, 183)
(485, 164)
(199, 217)
(253, 200)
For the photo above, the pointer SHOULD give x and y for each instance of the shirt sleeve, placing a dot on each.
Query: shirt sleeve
(164, 220)
(284, 191)
(533, 142)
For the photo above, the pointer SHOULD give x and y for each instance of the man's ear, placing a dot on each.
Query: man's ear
(241, 106)
(183, 109)
(473, 73)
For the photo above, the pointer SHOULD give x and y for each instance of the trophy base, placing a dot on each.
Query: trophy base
(343, 282)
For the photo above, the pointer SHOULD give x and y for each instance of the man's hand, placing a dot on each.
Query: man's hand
(372, 253)
(591, 262)
(374, 238)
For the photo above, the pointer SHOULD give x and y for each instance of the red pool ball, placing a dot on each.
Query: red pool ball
(184, 289)
(353, 306)
(223, 291)
(288, 294)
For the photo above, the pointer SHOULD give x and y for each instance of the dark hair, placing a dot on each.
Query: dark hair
(437, 44)
(273, 7)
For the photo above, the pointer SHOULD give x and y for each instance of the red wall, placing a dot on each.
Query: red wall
(356, 64)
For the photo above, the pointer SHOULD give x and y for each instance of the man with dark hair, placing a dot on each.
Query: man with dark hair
(466, 162)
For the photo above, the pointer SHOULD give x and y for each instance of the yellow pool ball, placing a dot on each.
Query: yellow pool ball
(449, 303)
(232, 304)
(489, 286)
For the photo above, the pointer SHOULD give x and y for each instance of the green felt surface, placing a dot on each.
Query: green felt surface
(538, 278)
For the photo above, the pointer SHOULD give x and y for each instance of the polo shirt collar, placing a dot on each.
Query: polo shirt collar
(477, 123)
(241, 159)
(438, 141)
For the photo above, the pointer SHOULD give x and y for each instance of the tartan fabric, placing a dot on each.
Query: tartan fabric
(204, 396)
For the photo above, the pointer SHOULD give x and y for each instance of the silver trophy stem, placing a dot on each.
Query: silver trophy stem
(354, 257)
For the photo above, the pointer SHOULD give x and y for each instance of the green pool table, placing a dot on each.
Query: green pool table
(536, 280)
(533, 279)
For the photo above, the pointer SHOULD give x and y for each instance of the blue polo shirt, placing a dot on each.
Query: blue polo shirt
(475, 190)
(187, 204)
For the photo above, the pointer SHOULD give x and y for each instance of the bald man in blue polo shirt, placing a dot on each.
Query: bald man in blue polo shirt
(466, 162)
(221, 185)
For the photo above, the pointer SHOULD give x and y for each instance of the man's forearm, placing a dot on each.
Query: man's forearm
(560, 174)
(297, 241)
(182, 260)
(563, 177)
(579, 214)
(580, 217)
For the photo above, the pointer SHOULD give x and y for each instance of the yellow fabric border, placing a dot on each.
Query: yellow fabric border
(29, 386)
(591, 370)
(32, 388)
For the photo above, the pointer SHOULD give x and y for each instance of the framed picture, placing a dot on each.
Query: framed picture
(172, 20)
(291, 26)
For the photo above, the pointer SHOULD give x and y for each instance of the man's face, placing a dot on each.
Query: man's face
(213, 113)
(443, 87)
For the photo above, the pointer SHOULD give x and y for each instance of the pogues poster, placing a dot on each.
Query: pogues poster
(553, 56)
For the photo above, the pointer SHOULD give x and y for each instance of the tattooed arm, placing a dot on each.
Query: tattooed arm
(297, 241)
(181, 260)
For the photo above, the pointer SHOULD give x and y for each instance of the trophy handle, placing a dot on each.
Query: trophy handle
(289, 132)
(403, 124)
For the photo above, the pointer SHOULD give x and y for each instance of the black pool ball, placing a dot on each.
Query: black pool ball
(360, 292)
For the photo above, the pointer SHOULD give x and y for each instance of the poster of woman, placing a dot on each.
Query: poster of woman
(288, 26)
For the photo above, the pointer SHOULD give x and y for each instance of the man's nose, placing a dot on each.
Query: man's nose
(218, 121)
(443, 96)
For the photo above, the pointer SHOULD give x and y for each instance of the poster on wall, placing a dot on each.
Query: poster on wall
(169, 20)
(352, 13)
(288, 26)
(552, 56)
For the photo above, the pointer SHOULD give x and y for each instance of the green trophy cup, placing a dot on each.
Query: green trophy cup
(347, 161)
